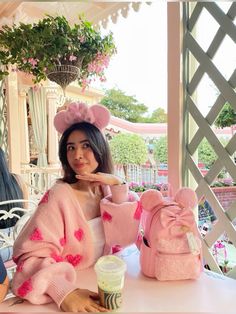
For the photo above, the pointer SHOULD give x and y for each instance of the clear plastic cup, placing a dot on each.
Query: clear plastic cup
(110, 271)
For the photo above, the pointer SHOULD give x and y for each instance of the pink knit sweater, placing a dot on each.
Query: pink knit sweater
(57, 241)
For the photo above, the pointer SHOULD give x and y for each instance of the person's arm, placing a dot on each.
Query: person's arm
(118, 188)
(120, 210)
(121, 220)
(41, 275)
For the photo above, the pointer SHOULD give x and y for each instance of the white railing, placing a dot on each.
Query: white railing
(138, 174)
(39, 180)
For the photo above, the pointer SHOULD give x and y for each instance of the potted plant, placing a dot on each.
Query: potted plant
(51, 45)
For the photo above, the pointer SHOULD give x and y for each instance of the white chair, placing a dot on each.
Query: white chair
(8, 235)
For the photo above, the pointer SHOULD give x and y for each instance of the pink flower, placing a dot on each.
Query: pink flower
(72, 58)
(33, 61)
(219, 245)
(82, 39)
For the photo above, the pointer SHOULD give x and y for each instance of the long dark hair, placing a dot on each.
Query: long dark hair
(9, 190)
(99, 147)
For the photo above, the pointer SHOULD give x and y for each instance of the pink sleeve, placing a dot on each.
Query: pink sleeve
(41, 280)
(120, 220)
(119, 193)
(41, 275)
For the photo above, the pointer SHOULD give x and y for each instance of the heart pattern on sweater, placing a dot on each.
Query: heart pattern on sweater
(73, 259)
(36, 235)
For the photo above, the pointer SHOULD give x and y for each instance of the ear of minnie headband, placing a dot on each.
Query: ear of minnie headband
(76, 112)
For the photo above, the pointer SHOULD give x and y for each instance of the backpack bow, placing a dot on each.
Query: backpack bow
(174, 219)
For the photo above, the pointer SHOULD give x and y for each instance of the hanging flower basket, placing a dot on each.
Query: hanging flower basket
(54, 49)
(63, 75)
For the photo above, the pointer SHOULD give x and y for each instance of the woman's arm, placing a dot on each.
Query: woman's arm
(119, 195)
(120, 220)
(41, 274)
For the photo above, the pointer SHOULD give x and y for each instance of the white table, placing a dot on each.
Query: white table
(210, 293)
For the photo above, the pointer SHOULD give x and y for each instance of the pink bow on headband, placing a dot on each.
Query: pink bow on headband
(175, 219)
(80, 112)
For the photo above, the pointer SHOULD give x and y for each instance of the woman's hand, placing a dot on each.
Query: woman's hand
(82, 300)
(100, 178)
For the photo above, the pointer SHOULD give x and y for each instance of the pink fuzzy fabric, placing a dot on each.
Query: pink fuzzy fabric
(138, 212)
(116, 249)
(165, 252)
(80, 112)
(36, 235)
(79, 234)
(25, 288)
(19, 267)
(62, 241)
(106, 217)
(57, 258)
(73, 259)
(45, 198)
(52, 263)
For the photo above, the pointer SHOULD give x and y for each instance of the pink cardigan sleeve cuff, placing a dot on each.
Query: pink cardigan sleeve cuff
(119, 193)
(59, 289)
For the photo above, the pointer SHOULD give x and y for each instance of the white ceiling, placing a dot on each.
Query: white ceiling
(98, 12)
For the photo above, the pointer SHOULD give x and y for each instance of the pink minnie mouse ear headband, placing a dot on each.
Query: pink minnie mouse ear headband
(76, 112)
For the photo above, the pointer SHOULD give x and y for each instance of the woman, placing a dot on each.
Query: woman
(12, 187)
(80, 218)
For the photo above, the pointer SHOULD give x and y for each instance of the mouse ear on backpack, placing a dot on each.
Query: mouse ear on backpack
(186, 197)
(150, 199)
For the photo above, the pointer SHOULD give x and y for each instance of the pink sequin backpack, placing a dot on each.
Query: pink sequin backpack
(171, 245)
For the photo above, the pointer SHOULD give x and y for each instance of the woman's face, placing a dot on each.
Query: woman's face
(79, 153)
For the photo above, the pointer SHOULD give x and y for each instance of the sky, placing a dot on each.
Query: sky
(224, 59)
(139, 68)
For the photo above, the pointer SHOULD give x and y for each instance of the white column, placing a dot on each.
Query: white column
(175, 98)
(24, 131)
(53, 159)
(13, 123)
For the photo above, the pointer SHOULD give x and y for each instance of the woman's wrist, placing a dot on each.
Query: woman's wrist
(120, 183)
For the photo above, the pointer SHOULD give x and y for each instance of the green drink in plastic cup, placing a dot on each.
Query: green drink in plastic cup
(110, 272)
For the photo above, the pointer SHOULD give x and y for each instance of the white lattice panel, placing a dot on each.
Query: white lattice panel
(193, 52)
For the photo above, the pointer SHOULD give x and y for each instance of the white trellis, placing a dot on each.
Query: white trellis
(193, 52)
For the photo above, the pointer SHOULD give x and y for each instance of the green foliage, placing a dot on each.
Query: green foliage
(123, 106)
(206, 153)
(158, 116)
(38, 47)
(128, 149)
(160, 150)
(136, 187)
(227, 116)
